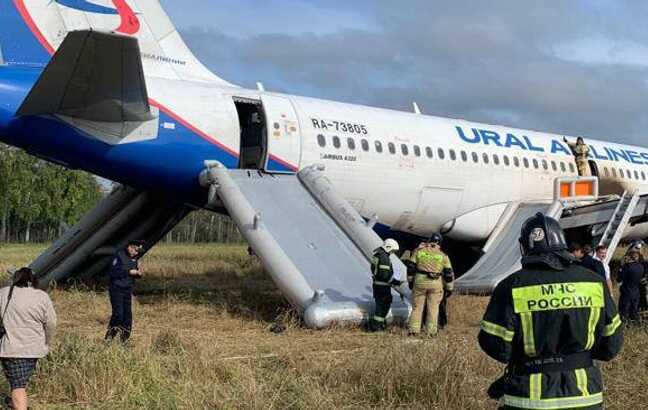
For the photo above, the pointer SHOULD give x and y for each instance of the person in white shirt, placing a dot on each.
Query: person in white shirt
(600, 255)
(29, 321)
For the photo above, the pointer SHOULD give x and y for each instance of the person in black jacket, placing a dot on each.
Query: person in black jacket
(382, 273)
(124, 269)
(582, 255)
(631, 275)
(588, 261)
(548, 322)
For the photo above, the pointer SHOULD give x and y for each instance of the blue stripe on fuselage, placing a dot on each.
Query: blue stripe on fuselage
(84, 5)
(170, 163)
(19, 45)
(15, 83)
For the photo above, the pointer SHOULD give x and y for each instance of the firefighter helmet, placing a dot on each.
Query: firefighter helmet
(542, 234)
(436, 238)
(390, 245)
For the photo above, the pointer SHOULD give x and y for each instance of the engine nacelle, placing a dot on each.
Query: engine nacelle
(476, 225)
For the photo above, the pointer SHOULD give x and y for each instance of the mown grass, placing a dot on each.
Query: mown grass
(202, 340)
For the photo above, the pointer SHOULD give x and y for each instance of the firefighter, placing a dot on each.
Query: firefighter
(631, 275)
(382, 273)
(581, 152)
(434, 275)
(548, 322)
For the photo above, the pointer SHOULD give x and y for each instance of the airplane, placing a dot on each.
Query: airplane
(109, 86)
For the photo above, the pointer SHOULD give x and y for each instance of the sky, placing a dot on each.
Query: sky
(572, 67)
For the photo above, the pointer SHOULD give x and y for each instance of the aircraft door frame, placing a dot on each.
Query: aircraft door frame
(283, 140)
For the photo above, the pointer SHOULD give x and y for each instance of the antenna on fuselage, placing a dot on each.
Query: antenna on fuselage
(417, 110)
(260, 86)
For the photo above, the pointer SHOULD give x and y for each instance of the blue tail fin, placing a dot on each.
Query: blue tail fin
(20, 44)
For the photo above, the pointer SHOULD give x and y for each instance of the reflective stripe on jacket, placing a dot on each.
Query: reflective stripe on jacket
(543, 314)
(381, 268)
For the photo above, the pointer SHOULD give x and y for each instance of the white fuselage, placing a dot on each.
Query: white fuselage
(430, 171)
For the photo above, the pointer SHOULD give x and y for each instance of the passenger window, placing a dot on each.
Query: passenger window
(441, 153)
(606, 171)
(526, 162)
(464, 156)
(545, 165)
(621, 173)
(428, 152)
(417, 150)
(485, 158)
(506, 160)
(629, 174)
(636, 174)
(643, 175)
(392, 148)
(571, 168)
(453, 155)
(365, 144)
(378, 146)
(351, 143)
(563, 168)
(475, 157)
(516, 162)
(535, 163)
(336, 141)
(495, 159)
(404, 149)
(321, 140)
(613, 172)
(554, 166)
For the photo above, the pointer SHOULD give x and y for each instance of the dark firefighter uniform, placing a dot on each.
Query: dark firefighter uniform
(631, 274)
(121, 293)
(548, 322)
(382, 273)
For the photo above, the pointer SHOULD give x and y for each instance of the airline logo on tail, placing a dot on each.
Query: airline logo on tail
(130, 24)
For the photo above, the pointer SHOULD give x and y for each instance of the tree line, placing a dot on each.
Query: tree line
(39, 200)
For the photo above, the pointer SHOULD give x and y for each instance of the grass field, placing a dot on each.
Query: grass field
(202, 340)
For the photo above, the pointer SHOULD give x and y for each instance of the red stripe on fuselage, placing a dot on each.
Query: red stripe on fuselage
(202, 134)
(37, 33)
(20, 5)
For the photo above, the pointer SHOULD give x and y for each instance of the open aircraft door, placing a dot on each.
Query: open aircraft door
(284, 141)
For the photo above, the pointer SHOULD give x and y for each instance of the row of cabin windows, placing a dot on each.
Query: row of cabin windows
(624, 173)
(452, 154)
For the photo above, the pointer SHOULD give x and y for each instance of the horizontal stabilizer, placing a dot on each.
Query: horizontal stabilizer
(93, 76)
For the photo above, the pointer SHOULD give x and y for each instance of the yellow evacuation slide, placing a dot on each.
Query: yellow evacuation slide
(555, 296)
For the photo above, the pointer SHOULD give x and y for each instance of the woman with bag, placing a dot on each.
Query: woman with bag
(28, 324)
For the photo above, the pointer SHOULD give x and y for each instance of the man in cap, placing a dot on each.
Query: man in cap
(382, 273)
(124, 269)
(548, 322)
(434, 274)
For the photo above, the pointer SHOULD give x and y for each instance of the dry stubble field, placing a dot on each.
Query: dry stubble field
(202, 340)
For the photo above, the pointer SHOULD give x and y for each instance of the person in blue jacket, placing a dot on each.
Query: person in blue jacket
(124, 269)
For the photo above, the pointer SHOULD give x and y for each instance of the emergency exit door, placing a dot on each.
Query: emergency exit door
(283, 135)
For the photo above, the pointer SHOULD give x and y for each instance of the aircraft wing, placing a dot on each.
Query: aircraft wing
(93, 76)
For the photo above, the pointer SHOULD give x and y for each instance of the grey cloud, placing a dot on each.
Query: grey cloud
(491, 62)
